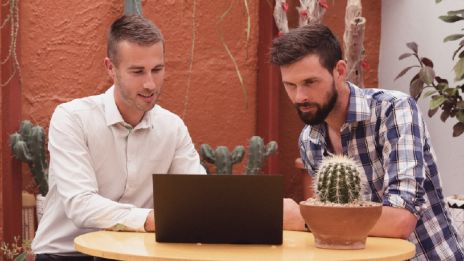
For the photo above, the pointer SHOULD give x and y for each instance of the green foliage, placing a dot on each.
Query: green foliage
(16, 251)
(443, 96)
(221, 157)
(338, 180)
(257, 153)
(28, 145)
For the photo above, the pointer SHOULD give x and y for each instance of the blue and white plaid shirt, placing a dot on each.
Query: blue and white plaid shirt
(385, 133)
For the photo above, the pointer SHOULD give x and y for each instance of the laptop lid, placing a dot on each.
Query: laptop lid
(244, 209)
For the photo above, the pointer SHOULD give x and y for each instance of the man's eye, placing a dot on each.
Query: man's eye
(137, 72)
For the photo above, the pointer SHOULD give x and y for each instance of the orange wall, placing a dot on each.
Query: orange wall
(63, 45)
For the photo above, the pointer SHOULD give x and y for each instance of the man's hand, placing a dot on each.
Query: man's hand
(150, 222)
(292, 217)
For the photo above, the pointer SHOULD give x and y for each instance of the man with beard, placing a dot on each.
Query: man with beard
(381, 130)
(105, 148)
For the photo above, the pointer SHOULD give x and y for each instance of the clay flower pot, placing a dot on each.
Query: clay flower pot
(340, 227)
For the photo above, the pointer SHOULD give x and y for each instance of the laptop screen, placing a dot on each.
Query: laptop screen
(245, 209)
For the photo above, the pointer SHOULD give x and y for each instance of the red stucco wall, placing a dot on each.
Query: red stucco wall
(63, 46)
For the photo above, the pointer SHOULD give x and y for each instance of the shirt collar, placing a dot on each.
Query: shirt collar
(113, 116)
(358, 108)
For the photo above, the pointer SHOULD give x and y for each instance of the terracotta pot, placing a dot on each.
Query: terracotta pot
(340, 227)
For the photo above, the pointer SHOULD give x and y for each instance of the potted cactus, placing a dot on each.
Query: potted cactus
(224, 160)
(338, 217)
(28, 145)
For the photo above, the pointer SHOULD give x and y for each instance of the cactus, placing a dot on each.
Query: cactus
(338, 180)
(221, 157)
(257, 153)
(28, 145)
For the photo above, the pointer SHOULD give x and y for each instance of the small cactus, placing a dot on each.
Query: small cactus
(28, 145)
(338, 180)
(257, 153)
(221, 157)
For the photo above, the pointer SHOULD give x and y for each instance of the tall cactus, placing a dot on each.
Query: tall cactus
(28, 145)
(221, 157)
(338, 180)
(257, 153)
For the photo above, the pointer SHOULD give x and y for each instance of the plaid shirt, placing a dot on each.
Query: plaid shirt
(385, 133)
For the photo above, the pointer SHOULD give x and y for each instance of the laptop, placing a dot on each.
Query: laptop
(233, 209)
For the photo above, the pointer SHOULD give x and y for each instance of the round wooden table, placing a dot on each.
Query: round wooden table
(296, 246)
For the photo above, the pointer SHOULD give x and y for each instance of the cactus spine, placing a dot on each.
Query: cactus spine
(338, 180)
(28, 145)
(221, 157)
(257, 153)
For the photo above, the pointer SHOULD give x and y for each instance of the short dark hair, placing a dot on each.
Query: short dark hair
(132, 28)
(313, 38)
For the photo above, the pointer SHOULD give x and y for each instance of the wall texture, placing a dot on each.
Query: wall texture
(64, 47)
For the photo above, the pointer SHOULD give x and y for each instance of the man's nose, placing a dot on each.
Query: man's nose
(149, 82)
(300, 95)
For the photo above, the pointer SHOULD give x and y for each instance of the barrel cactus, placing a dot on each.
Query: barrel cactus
(338, 180)
(28, 145)
(221, 157)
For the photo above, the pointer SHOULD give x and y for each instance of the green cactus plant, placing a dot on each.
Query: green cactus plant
(257, 153)
(28, 145)
(221, 157)
(338, 180)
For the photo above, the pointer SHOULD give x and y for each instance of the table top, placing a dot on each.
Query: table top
(296, 246)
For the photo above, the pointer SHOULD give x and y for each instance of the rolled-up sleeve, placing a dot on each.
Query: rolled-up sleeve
(403, 132)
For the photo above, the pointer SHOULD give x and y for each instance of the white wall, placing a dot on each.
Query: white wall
(417, 20)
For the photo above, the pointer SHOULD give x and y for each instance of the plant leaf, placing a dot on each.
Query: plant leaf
(404, 55)
(450, 91)
(460, 105)
(429, 93)
(444, 115)
(456, 12)
(426, 61)
(436, 101)
(460, 115)
(416, 87)
(412, 46)
(457, 50)
(427, 74)
(458, 129)
(437, 1)
(441, 80)
(432, 112)
(450, 18)
(405, 70)
(453, 37)
(459, 70)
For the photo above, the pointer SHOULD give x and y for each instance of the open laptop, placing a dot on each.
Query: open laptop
(242, 209)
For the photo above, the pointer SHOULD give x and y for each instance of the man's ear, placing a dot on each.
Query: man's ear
(109, 67)
(340, 70)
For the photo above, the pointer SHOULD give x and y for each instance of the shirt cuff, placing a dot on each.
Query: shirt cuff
(397, 201)
(136, 219)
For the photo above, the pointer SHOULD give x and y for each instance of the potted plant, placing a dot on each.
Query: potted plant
(338, 217)
(444, 97)
(28, 145)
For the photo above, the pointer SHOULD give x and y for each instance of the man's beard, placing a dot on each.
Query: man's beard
(321, 112)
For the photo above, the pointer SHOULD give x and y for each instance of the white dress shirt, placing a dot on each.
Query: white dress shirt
(100, 172)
